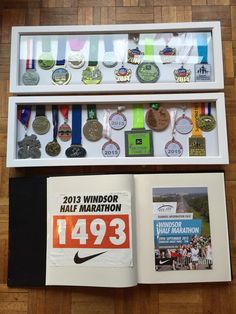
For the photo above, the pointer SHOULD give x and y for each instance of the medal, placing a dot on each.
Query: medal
(123, 74)
(109, 59)
(173, 148)
(76, 150)
(92, 129)
(30, 77)
(46, 60)
(157, 118)
(197, 143)
(135, 55)
(202, 69)
(40, 125)
(60, 75)
(206, 122)
(183, 124)
(167, 54)
(53, 148)
(148, 71)
(64, 131)
(138, 141)
(117, 120)
(109, 148)
(183, 75)
(76, 59)
(92, 74)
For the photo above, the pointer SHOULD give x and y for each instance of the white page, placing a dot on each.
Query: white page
(214, 182)
(114, 266)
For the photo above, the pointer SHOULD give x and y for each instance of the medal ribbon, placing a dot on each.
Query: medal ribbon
(76, 124)
(202, 47)
(64, 110)
(23, 115)
(186, 51)
(173, 115)
(40, 110)
(209, 109)
(46, 44)
(196, 111)
(76, 44)
(92, 112)
(108, 43)
(138, 117)
(30, 61)
(93, 51)
(55, 121)
(148, 49)
(61, 49)
(106, 126)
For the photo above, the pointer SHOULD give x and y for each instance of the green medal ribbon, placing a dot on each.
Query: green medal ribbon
(138, 117)
(93, 52)
(148, 49)
(92, 112)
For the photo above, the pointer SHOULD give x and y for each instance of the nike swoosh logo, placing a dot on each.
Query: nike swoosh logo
(80, 260)
(163, 262)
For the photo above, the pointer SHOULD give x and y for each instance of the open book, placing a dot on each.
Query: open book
(121, 230)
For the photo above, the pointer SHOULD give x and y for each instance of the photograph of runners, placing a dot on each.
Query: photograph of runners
(182, 236)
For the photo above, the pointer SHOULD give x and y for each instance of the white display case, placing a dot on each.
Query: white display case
(117, 58)
(216, 149)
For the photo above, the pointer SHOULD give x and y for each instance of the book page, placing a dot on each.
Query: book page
(182, 233)
(90, 241)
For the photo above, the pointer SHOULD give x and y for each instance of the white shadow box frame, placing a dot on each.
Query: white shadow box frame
(166, 82)
(216, 140)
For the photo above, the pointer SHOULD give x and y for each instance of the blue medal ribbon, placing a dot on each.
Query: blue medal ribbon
(55, 115)
(23, 115)
(61, 48)
(202, 47)
(209, 109)
(76, 124)
(108, 41)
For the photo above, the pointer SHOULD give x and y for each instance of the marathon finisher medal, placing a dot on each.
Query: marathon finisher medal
(109, 59)
(92, 74)
(109, 148)
(30, 77)
(76, 59)
(148, 71)
(173, 148)
(168, 54)
(202, 69)
(138, 141)
(135, 55)
(76, 150)
(92, 129)
(157, 117)
(40, 125)
(117, 120)
(197, 143)
(60, 75)
(53, 148)
(46, 61)
(64, 131)
(183, 124)
(206, 122)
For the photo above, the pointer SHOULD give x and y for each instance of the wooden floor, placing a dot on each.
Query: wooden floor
(148, 299)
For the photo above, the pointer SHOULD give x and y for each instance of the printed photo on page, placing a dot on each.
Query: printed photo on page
(182, 236)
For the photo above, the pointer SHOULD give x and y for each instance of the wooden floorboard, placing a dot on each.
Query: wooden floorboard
(146, 299)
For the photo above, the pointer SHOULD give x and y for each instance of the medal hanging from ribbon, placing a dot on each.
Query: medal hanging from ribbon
(109, 59)
(92, 129)
(135, 55)
(173, 148)
(123, 74)
(110, 148)
(46, 61)
(183, 75)
(76, 59)
(206, 122)
(138, 141)
(53, 148)
(168, 54)
(148, 71)
(76, 150)
(92, 74)
(60, 75)
(197, 143)
(30, 77)
(64, 131)
(117, 120)
(202, 68)
(183, 124)
(40, 125)
(157, 117)
(29, 146)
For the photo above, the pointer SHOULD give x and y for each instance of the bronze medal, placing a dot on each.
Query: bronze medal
(157, 119)
(53, 148)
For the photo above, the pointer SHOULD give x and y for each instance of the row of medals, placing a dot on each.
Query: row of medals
(156, 119)
(146, 72)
